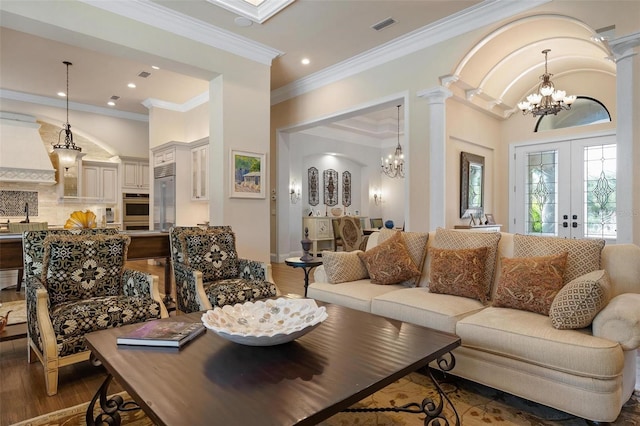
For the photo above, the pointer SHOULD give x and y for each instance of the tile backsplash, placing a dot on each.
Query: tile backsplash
(12, 203)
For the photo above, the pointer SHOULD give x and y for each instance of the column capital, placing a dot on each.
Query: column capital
(623, 47)
(435, 95)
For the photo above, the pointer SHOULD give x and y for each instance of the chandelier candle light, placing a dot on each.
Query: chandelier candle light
(67, 151)
(548, 100)
(393, 166)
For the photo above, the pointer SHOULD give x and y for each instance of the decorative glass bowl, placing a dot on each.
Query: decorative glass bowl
(265, 322)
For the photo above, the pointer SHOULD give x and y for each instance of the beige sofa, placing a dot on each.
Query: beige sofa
(588, 372)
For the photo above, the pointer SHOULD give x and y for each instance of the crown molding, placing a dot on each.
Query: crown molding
(481, 15)
(169, 20)
(258, 13)
(75, 106)
(185, 107)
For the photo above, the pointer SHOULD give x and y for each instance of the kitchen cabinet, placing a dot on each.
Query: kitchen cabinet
(164, 156)
(135, 175)
(320, 232)
(200, 173)
(100, 181)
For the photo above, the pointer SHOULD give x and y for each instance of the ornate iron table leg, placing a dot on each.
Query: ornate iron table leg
(110, 407)
(428, 407)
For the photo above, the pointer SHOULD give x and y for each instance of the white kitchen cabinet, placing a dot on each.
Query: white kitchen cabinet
(135, 175)
(200, 173)
(164, 156)
(320, 232)
(100, 182)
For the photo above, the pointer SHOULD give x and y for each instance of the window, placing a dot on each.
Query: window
(583, 112)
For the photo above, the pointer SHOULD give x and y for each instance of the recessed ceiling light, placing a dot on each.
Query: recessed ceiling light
(305, 61)
(241, 21)
(155, 67)
(131, 85)
(62, 94)
(111, 103)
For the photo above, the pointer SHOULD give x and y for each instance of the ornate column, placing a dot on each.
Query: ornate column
(436, 98)
(628, 137)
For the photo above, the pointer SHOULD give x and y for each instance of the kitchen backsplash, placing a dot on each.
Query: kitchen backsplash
(12, 203)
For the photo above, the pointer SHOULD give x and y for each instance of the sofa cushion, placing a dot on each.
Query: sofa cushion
(78, 267)
(213, 252)
(355, 294)
(459, 272)
(452, 239)
(389, 262)
(530, 283)
(583, 255)
(416, 243)
(578, 302)
(342, 266)
(530, 337)
(419, 306)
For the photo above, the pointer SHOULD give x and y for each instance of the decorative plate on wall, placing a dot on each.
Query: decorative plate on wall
(314, 186)
(346, 189)
(330, 187)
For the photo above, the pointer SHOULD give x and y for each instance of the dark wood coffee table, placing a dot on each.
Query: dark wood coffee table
(211, 380)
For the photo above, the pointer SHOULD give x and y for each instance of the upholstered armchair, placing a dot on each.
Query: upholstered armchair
(347, 233)
(76, 283)
(209, 273)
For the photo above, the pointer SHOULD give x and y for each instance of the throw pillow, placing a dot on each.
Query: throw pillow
(459, 272)
(77, 267)
(343, 266)
(530, 283)
(213, 253)
(578, 302)
(452, 239)
(416, 243)
(389, 262)
(583, 255)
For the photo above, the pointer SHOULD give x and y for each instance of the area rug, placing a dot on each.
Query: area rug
(18, 310)
(477, 405)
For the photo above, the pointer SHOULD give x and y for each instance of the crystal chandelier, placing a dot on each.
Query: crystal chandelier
(548, 100)
(393, 165)
(67, 151)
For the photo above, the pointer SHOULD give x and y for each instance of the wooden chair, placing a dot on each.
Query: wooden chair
(72, 291)
(347, 233)
(19, 228)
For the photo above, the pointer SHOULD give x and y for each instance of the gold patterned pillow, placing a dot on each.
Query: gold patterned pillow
(389, 262)
(343, 266)
(578, 303)
(451, 239)
(583, 255)
(416, 243)
(530, 283)
(459, 272)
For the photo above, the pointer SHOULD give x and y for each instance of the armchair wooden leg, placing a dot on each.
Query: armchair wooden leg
(51, 380)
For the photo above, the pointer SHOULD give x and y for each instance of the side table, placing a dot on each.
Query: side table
(306, 266)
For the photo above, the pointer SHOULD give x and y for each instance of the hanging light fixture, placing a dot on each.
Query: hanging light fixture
(548, 100)
(67, 151)
(393, 165)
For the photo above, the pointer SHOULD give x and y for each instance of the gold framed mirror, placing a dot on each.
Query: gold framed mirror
(471, 185)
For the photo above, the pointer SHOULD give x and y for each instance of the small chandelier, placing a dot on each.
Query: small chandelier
(548, 100)
(393, 165)
(67, 151)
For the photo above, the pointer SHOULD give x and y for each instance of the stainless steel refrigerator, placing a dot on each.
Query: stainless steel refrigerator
(164, 197)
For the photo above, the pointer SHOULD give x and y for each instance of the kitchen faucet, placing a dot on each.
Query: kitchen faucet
(26, 210)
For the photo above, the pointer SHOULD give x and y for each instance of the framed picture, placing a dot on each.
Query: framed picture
(490, 219)
(314, 191)
(330, 178)
(248, 174)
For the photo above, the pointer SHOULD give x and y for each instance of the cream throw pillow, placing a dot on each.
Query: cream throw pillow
(343, 266)
(578, 303)
(416, 243)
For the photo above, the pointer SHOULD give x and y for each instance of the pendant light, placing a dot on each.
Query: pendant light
(67, 151)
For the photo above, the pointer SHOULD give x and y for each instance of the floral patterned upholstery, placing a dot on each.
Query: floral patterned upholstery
(208, 271)
(77, 284)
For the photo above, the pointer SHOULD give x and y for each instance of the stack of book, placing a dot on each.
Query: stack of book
(163, 333)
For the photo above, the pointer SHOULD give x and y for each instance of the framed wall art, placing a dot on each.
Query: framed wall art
(346, 189)
(330, 187)
(314, 186)
(248, 174)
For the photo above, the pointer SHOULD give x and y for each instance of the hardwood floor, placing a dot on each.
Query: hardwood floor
(22, 389)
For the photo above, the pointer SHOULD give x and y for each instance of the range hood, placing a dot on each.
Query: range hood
(23, 156)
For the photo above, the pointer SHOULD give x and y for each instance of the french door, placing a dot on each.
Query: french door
(566, 188)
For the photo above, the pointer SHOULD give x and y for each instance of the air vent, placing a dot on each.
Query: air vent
(114, 98)
(144, 74)
(383, 24)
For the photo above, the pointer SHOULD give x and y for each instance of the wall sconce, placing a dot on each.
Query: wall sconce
(377, 198)
(294, 192)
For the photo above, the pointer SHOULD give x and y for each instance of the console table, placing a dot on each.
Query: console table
(480, 228)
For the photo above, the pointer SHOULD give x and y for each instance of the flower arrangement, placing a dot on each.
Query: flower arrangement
(79, 219)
